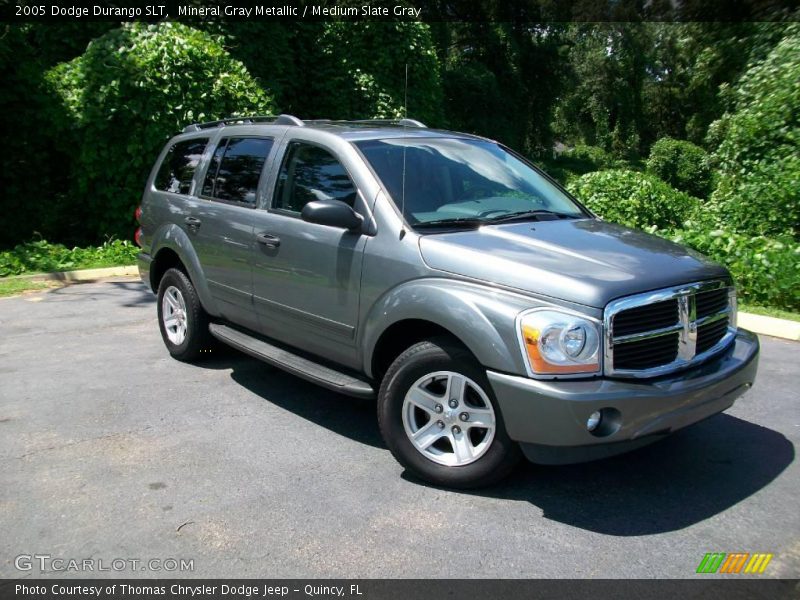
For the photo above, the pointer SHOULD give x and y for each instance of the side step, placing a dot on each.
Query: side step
(309, 370)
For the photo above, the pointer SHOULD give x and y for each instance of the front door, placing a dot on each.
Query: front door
(307, 277)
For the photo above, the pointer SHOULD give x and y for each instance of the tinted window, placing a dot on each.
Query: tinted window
(310, 173)
(457, 178)
(176, 172)
(235, 169)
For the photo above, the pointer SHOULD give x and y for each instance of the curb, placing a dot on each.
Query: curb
(81, 275)
(780, 328)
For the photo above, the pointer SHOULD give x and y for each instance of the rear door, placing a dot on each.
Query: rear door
(220, 221)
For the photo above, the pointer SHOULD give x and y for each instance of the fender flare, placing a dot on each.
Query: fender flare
(482, 318)
(174, 238)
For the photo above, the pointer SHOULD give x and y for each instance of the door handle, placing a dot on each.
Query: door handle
(268, 240)
(192, 222)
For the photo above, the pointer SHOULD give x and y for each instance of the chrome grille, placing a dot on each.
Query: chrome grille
(660, 332)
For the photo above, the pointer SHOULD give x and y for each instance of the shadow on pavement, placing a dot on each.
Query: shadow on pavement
(349, 417)
(689, 477)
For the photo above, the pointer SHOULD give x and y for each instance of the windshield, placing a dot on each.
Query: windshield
(457, 181)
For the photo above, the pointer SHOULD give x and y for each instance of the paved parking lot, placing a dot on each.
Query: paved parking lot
(110, 449)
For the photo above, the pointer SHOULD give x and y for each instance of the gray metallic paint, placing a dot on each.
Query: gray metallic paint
(335, 293)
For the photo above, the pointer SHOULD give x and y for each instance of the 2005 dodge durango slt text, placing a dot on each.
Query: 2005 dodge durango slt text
(492, 314)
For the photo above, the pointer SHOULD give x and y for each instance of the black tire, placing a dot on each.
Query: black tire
(197, 341)
(441, 354)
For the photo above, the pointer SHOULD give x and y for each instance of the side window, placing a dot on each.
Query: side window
(176, 171)
(310, 173)
(236, 168)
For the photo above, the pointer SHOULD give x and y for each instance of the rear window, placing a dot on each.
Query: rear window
(236, 168)
(177, 169)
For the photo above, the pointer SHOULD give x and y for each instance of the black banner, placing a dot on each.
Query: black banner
(403, 589)
(518, 11)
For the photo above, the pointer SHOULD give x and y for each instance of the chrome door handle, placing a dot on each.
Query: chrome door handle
(268, 240)
(192, 222)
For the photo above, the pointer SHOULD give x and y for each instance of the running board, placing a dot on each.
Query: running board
(309, 370)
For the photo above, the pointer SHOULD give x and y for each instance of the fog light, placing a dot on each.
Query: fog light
(594, 420)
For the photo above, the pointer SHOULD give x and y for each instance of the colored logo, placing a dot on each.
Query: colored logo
(735, 562)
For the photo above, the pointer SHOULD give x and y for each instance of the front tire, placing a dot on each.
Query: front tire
(181, 318)
(438, 415)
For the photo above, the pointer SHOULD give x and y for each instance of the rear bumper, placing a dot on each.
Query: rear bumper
(548, 418)
(143, 261)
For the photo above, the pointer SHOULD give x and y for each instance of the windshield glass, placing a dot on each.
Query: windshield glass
(456, 180)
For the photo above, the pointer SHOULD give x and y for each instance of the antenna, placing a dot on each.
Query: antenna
(405, 127)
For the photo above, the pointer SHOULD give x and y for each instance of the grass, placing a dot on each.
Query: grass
(42, 257)
(770, 312)
(14, 287)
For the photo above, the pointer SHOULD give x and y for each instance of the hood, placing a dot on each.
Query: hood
(586, 261)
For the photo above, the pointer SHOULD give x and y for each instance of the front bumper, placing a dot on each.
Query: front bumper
(548, 418)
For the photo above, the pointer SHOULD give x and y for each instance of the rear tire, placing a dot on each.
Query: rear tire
(181, 318)
(438, 415)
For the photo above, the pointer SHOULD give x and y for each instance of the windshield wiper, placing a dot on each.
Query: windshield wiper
(530, 214)
(460, 222)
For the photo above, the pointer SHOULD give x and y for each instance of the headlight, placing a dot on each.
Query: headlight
(556, 342)
(734, 307)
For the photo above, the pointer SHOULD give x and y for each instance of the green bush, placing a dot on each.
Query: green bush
(759, 155)
(585, 159)
(41, 256)
(682, 165)
(766, 269)
(634, 199)
(123, 98)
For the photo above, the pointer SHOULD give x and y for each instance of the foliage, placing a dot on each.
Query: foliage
(682, 165)
(759, 154)
(602, 105)
(585, 159)
(41, 256)
(345, 71)
(123, 98)
(501, 80)
(634, 199)
(766, 269)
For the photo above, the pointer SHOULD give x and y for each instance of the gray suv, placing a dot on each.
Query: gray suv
(490, 313)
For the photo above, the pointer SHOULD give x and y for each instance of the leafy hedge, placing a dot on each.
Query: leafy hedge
(759, 156)
(766, 269)
(682, 165)
(122, 99)
(633, 199)
(41, 256)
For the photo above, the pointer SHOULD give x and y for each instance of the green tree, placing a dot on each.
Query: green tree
(758, 157)
(602, 104)
(123, 98)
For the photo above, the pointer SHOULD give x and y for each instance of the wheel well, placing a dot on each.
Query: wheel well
(400, 336)
(165, 259)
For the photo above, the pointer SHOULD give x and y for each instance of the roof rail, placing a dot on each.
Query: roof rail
(292, 120)
(275, 120)
(375, 122)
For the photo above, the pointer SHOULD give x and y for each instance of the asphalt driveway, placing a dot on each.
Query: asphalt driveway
(110, 449)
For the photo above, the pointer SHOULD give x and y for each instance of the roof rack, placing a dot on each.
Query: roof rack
(292, 120)
(279, 120)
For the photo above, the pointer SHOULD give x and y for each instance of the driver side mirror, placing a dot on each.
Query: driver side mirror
(333, 213)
